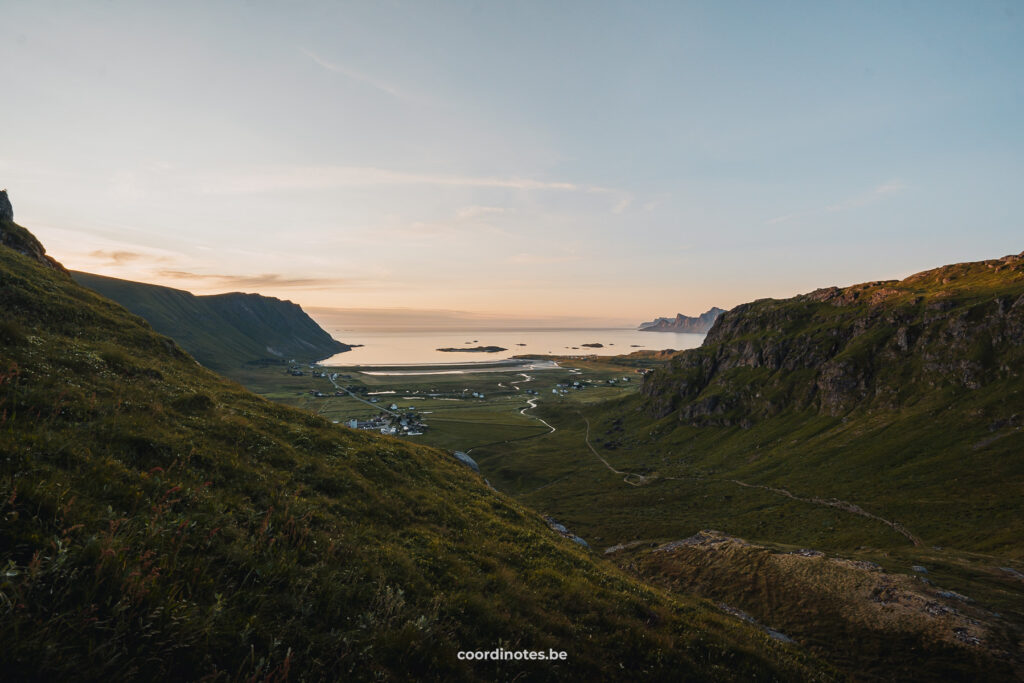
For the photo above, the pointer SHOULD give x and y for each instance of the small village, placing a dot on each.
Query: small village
(391, 423)
(405, 420)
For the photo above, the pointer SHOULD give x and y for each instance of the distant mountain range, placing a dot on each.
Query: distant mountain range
(222, 331)
(684, 323)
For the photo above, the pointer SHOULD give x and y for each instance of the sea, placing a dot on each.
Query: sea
(418, 347)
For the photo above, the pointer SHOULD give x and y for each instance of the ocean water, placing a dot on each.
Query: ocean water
(408, 347)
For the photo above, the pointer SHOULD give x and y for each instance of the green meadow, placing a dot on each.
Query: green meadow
(161, 522)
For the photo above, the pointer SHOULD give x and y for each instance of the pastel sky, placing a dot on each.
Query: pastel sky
(614, 161)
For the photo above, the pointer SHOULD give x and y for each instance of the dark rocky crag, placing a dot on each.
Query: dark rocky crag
(6, 210)
(19, 239)
(684, 323)
(878, 345)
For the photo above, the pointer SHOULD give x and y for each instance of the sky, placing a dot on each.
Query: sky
(545, 161)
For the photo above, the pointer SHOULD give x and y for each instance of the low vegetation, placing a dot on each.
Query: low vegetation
(880, 423)
(222, 331)
(160, 522)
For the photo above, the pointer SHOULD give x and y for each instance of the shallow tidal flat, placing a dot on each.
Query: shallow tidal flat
(511, 364)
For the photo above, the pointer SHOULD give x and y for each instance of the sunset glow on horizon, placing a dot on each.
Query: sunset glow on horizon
(543, 162)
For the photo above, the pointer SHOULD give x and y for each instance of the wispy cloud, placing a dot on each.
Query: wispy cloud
(471, 212)
(872, 196)
(120, 258)
(267, 179)
(355, 75)
(539, 259)
(784, 218)
(258, 281)
(622, 204)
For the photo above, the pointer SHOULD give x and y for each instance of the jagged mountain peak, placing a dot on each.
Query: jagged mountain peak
(684, 323)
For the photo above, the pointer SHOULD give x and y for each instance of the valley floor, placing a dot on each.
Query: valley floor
(816, 562)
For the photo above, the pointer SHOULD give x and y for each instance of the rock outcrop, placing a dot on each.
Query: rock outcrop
(21, 240)
(6, 210)
(876, 345)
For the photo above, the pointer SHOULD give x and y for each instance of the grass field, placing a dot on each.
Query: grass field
(457, 419)
(158, 522)
(859, 492)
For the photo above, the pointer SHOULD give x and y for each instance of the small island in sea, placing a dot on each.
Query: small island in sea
(476, 349)
(595, 345)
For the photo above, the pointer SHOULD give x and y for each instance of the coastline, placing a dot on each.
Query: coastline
(459, 368)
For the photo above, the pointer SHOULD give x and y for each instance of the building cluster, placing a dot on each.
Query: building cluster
(392, 424)
(319, 394)
(296, 370)
(577, 385)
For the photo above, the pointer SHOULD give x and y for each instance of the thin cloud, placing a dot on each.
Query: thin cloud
(268, 179)
(470, 212)
(535, 259)
(354, 75)
(783, 219)
(468, 222)
(865, 199)
(259, 281)
(878, 193)
(119, 258)
(622, 205)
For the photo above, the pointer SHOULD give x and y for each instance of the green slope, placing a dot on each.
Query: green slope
(904, 395)
(222, 331)
(882, 422)
(160, 522)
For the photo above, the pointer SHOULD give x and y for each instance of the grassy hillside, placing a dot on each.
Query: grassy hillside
(881, 423)
(160, 522)
(222, 331)
(880, 346)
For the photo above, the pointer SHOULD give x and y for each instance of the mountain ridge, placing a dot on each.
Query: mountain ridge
(880, 424)
(683, 323)
(854, 342)
(222, 330)
(158, 522)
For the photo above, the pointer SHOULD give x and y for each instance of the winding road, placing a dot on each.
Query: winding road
(375, 406)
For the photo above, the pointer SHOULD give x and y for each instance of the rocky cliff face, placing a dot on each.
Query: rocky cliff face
(877, 345)
(684, 323)
(6, 210)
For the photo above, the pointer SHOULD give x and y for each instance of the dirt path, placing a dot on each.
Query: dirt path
(634, 479)
(630, 478)
(843, 505)
(838, 504)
